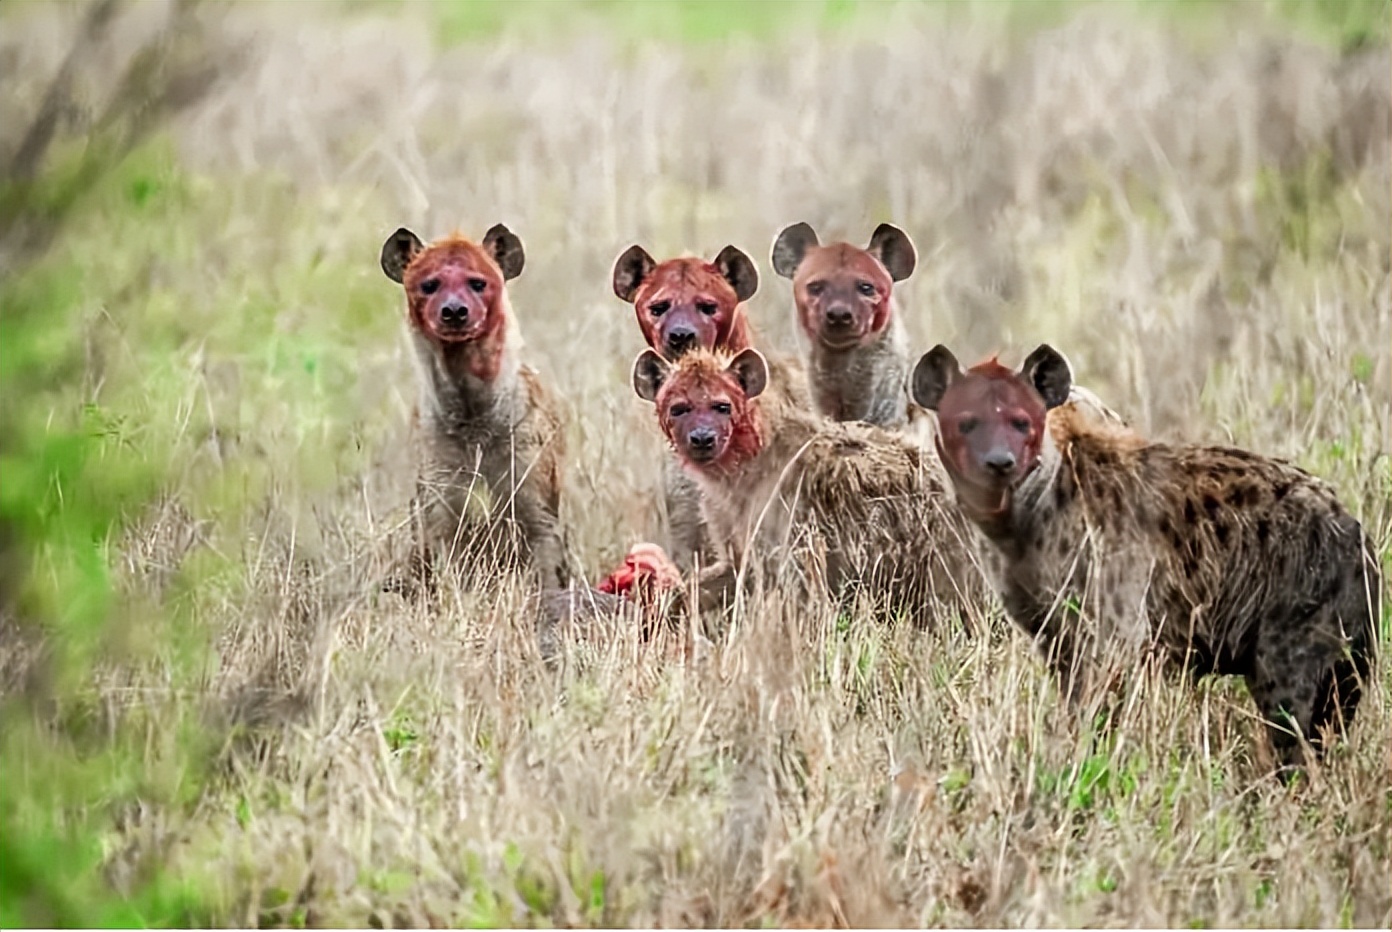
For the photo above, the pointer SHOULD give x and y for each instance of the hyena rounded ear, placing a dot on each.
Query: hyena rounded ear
(792, 244)
(750, 369)
(506, 249)
(1048, 372)
(738, 269)
(398, 251)
(935, 372)
(630, 271)
(649, 372)
(895, 251)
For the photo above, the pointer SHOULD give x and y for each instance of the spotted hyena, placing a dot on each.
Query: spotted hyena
(490, 433)
(1220, 560)
(858, 349)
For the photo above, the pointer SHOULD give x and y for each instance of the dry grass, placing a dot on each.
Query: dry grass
(1200, 221)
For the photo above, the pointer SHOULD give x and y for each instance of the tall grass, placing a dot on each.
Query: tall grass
(211, 716)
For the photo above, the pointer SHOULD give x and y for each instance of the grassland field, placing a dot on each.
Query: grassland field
(211, 716)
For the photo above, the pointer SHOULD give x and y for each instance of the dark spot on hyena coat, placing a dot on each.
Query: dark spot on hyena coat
(1263, 530)
(1063, 494)
(1315, 539)
(1242, 495)
(1191, 563)
(1168, 531)
(1191, 514)
(1212, 506)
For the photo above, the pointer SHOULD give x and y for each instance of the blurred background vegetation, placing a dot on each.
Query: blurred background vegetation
(98, 208)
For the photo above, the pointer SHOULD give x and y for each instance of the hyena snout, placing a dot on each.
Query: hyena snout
(680, 339)
(1000, 463)
(454, 314)
(839, 317)
(701, 442)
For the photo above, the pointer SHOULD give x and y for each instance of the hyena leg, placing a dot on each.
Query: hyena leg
(716, 586)
(1087, 683)
(1348, 628)
(409, 556)
(542, 540)
(548, 552)
(1054, 632)
(686, 526)
(1285, 682)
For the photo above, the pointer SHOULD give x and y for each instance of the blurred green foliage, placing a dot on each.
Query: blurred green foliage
(1348, 24)
(101, 427)
(70, 484)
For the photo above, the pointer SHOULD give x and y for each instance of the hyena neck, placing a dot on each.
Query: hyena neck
(469, 384)
(865, 382)
(1029, 504)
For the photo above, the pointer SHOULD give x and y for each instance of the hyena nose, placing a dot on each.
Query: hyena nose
(680, 339)
(702, 438)
(838, 315)
(1000, 462)
(453, 312)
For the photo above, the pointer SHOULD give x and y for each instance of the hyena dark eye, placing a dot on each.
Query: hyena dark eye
(658, 308)
(430, 286)
(678, 410)
(967, 425)
(478, 284)
(1021, 424)
(816, 288)
(721, 407)
(707, 307)
(866, 289)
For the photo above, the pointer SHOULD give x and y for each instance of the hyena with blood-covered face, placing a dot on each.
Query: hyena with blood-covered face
(858, 350)
(684, 304)
(793, 499)
(491, 436)
(1219, 560)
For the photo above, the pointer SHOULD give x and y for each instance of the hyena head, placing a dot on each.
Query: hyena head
(842, 291)
(686, 303)
(454, 287)
(991, 419)
(706, 406)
